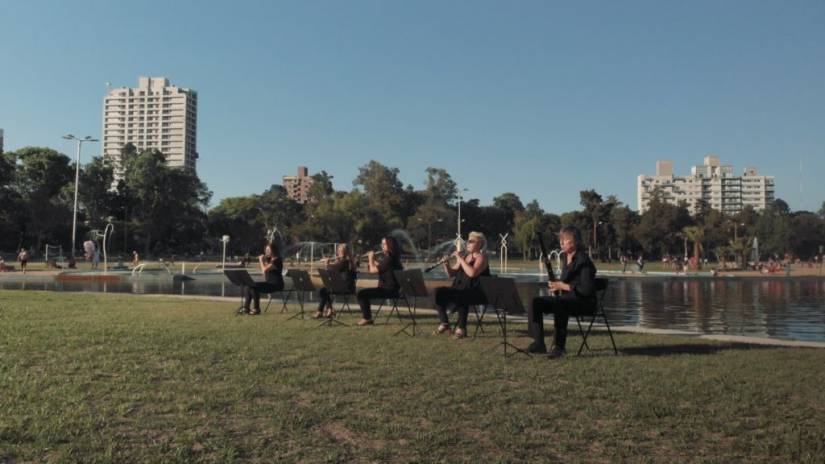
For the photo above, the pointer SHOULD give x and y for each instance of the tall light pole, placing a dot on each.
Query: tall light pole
(76, 181)
(459, 210)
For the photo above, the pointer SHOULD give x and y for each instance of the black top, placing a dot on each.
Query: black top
(581, 275)
(344, 268)
(275, 274)
(386, 266)
(463, 281)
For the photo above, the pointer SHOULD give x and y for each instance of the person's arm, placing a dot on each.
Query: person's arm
(585, 285)
(473, 270)
(267, 266)
(372, 265)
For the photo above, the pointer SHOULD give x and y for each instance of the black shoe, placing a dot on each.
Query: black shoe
(537, 347)
(557, 353)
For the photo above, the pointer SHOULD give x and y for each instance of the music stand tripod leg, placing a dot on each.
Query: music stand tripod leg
(300, 313)
(505, 342)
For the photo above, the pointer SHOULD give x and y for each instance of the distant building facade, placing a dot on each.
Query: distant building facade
(1, 140)
(155, 115)
(712, 182)
(297, 187)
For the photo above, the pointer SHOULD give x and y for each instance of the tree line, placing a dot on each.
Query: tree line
(161, 210)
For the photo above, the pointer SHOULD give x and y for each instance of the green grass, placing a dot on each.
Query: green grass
(107, 378)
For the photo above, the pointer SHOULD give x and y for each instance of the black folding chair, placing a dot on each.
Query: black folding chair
(301, 285)
(598, 311)
(412, 286)
(336, 286)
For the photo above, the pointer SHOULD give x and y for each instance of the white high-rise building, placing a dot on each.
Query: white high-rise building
(155, 115)
(710, 181)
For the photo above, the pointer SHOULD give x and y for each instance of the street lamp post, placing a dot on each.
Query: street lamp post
(76, 182)
(459, 211)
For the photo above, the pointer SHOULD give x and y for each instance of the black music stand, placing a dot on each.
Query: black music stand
(335, 283)
(242, 279)
(301, 284)
(502, 295)
(412, 286)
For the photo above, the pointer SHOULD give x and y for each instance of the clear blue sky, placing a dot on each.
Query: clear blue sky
(542, 98)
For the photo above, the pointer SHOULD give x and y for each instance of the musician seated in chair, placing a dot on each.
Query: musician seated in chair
(387, 285)
(576, 294)
(346, 267)
(465, 290)
(272, 267)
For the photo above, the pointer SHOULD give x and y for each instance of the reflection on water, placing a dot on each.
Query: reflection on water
(776, 308)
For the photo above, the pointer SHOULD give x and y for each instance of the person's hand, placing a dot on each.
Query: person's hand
(371, 255)
(557, 286)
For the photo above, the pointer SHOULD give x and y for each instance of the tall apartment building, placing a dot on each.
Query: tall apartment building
(297, 187)
(1, 140)
(155, 115)
(710, 181)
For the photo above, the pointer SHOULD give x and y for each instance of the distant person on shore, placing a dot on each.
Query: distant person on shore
(624, 262)
(23, 257)
(3, 267)
(95, 258)
(135, 259)
(640, 263)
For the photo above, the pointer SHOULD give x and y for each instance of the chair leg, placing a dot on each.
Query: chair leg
(286, 300)
(610, 332)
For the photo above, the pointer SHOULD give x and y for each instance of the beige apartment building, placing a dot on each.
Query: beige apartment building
(297, 187)
(155, 115)
(711, 181)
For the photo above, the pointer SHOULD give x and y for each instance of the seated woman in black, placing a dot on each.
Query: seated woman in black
(343, 265)
(577, 294)
(387, 285)
(465, 290)
(272, 268)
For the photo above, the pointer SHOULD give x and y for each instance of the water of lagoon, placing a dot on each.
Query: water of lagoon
(791, 309)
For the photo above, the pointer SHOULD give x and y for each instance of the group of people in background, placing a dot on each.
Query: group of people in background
(573, 293)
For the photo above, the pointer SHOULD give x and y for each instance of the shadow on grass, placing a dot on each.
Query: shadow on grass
(688, 348)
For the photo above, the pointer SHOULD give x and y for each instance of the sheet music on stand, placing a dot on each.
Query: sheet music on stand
(242, 279)
(412, 286)
(501, 293)
(336, 285)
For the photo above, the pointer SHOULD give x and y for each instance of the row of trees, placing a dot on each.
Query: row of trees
(162, 210)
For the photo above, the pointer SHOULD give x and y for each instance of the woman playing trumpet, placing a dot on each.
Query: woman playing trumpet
(387, 285)
(465, 290)
(346, 267)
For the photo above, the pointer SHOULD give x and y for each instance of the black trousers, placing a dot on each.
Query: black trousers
(325, 297)
(461, 298)
(254, 293)
(378, 293)
(562, 308)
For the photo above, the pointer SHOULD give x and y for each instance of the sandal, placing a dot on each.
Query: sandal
(458, 334)
(254, 312)
(364, 322)
(318, 315)
(441, 329)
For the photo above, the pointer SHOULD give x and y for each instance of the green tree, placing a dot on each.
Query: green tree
(41, 176)
(169, 203)
(659, 226)
(96, 196)
(695, 234)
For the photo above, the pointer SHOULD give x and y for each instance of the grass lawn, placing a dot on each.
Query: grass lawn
(108, 378)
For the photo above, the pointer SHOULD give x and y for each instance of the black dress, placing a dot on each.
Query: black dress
(345, 269)
(274, 283)
(465, 291)
(387, 285)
